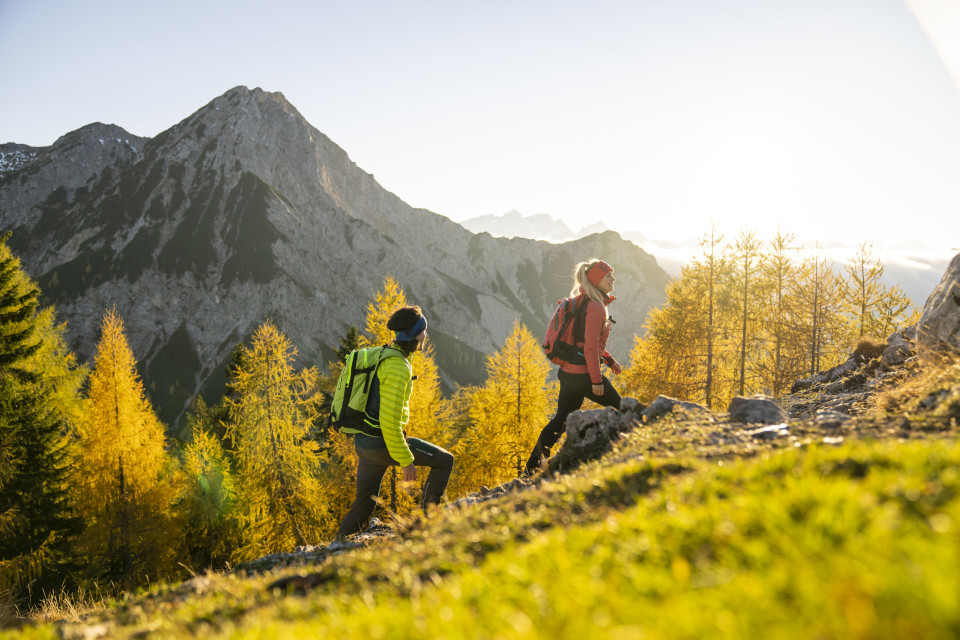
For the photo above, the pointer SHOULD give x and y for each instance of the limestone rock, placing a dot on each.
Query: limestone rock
(756, 410)
(829, 419)
(898, 349)
(939, 326)
(662, 405)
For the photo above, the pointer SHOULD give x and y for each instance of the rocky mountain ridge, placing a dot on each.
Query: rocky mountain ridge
(243, 213)
(539, 226)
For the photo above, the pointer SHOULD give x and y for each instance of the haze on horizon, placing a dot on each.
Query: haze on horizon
(835, 119)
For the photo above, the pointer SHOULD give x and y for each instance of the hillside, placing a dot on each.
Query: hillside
(688, 524)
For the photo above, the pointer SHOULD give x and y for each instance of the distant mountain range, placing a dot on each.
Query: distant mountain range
(536, 227)
(243, 213)
(916, 268)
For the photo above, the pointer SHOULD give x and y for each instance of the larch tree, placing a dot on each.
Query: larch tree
(819, 324)
(747, 261)
(779, 362)
(379, 310)
(271, 413)
(37, 520)
(507, 412)
(124, 477)
(875, 309)
(712, 265)
(671, 358)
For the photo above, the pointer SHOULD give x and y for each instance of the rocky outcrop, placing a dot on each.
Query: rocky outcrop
(845, 388)
(244, 213)
(939, 327)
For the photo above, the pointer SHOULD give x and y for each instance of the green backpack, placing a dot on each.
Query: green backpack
(353, 388)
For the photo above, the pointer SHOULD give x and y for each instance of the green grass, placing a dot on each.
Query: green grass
(855, 541)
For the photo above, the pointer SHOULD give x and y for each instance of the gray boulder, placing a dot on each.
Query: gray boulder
(591, 433)
(586, 428)
(830, 419)
(663, 405)
(757, 410)
(939, 327)
(899, 348)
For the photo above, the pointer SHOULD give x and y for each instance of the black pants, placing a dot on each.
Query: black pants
(373, 464)
(574, 389)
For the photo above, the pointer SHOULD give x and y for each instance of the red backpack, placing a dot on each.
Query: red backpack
(565, 330)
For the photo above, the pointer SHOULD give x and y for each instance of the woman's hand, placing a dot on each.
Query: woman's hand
(613, 365)
(598, 390)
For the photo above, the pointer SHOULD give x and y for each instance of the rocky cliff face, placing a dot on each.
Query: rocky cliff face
(244, 213)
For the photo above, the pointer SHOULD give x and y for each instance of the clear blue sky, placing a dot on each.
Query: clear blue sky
(837, 119)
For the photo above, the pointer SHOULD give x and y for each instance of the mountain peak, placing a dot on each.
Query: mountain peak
(98, 132)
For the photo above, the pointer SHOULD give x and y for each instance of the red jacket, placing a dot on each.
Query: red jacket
(596, 330)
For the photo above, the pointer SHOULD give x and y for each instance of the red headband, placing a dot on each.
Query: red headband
(598, 271)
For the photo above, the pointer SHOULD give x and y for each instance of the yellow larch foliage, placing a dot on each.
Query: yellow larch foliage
(507, 413)
(124, 471)
(385, 302)
(271, 411)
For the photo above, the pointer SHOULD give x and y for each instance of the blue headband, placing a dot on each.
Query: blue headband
(414, 331)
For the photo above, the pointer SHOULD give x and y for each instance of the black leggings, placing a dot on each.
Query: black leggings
(373, 463)
(574, 389)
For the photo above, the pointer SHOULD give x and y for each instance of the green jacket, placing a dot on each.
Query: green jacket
(395, 381)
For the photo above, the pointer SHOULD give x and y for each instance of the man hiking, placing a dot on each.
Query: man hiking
(381, 442)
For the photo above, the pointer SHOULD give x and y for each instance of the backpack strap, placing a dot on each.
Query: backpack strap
(580, 320)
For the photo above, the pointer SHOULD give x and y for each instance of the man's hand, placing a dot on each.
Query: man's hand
(409, 473)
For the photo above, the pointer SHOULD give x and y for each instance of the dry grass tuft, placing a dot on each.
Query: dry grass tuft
(933, 389)
(67, 606)
(868, 348)
(9, 615)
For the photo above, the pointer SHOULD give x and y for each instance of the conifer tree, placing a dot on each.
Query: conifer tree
(207, 504)
(819, 297)
(271, 410)
(37, 521)
(125, 478)
(507, 412)
(780, 361)
(742, 321)
(671, 358)
(56, 365)
(875, 310)
(712, 265)
(747, 262)
(385, 302)
(349, 343)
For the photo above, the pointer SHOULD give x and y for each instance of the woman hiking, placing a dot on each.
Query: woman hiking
(592, 284)
(388, 411)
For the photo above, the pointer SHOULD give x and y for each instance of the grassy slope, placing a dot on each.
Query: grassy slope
(797, 539)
